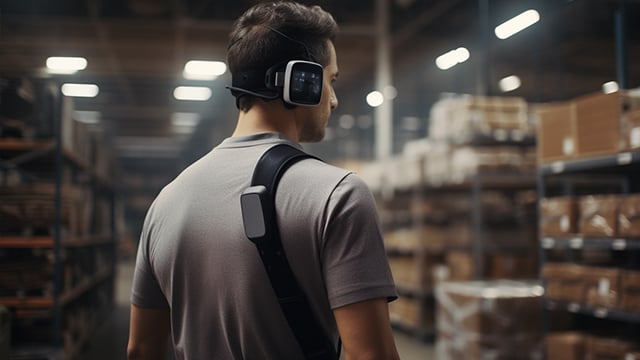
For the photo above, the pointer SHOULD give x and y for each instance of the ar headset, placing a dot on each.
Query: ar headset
(298, 82)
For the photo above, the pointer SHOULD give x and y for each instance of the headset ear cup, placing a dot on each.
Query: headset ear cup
(303, 83)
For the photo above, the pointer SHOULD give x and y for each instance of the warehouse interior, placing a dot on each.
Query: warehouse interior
(507, 179)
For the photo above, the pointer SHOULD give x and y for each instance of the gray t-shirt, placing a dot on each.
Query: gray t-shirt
(195, 259)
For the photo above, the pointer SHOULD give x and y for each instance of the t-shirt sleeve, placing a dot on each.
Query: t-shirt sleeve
(356, 267)
(146, 292)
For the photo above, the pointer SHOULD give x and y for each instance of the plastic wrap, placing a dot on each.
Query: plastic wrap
(462, 117)
(495, 320)
(599, 215)
(467, 161)
(558, 216)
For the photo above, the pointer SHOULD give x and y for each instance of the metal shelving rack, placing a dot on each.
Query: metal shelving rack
(46, 161)
(625, 168)
(474, 186)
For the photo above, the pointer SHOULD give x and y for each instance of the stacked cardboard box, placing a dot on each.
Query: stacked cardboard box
(564, 281)
(599, 215)
(591, 125)
(566, 346)
(601, 348)
(489, 320)
(410, 272)
(558, 216)
(579, 346)
(408, 311)
(610, 288)
(629, 216)
(630, 291)
(603, 216)
(461, 118)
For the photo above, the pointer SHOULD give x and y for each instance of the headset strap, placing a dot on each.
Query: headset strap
(312, 339)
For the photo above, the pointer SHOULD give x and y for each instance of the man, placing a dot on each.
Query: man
(197, 275)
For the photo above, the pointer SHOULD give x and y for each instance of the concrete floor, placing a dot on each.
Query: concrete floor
(110, 340)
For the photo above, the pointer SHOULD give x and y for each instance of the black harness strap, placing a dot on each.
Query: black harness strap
(295, 306)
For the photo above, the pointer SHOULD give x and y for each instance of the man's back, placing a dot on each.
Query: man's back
(222, 304)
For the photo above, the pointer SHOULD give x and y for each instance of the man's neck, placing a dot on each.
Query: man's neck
(267, 117)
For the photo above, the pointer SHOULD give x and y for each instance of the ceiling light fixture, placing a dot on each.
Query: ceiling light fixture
(193, 93)
(80, 90)
(375, 98)
(509, 83)
(517, 24)
(203, 70)
(452, 58)
(65, 65)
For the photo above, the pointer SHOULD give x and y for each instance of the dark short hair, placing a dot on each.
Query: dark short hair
(275, 32)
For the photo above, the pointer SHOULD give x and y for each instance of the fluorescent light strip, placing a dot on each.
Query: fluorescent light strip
(204, 70)
(509, 83)
(193, 93)
(66, 65)
(517, 24)
(80, 90)
(452, 58)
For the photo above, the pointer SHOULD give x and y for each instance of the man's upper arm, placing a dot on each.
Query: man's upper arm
(148, 333)
(365, 330)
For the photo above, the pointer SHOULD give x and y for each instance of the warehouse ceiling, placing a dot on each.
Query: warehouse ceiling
(136, 51)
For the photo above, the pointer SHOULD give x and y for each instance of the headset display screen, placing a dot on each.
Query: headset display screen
(305, 83)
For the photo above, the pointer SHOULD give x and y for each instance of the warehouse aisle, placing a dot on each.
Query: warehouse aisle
(110, 340)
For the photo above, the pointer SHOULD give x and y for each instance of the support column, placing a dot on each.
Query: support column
(483, 85)
(621, 47)
(384, 113)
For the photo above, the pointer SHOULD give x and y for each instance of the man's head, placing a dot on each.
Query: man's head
(271, 34)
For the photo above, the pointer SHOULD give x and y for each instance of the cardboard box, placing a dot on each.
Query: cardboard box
(631, 130)
(599, 122)
(489, 320)
(598, 215)
(590, 125)
(630, 291)
(512, 266)
(409, 271)
(629, 216)
(558, 216)
(555, 131)
(566, 346)
(460, 265)
(409, 311)
(599, 348)
(565, 281)
(602, 287)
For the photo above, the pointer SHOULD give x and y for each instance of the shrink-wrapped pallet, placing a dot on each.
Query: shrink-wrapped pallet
(498, 319)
